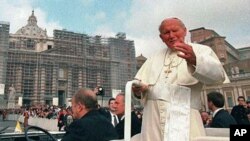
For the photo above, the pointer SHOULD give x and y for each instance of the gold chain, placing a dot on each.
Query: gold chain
(172, 63)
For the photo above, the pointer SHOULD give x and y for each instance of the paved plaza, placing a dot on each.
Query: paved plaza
(6, 123)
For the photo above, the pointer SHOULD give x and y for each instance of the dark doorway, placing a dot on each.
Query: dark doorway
(26, 102)
(48, 102)
(61, 97)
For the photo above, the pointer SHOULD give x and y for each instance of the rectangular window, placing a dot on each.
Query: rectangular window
(248, 95)
(30, 44)
(61, 73)
(248, 98)
(229, 99)
(49, 47)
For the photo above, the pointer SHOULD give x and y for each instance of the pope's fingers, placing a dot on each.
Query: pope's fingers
(187, 53)
(140, 88)
(136, 89)
(144, 87)
(180, 49)
(181, 45)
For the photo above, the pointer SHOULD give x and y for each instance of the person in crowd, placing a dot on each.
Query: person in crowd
(69, 119)
(50, 114)
(221, 117)
(88, 124)
(171, 78)
(120, 111)
(4, 115)
(205, 119)
(248, 104)
(26, 115)
(248, 110)
(239, 112)
(110, 114)
(62, 119)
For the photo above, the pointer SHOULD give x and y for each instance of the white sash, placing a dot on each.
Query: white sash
(177, 123)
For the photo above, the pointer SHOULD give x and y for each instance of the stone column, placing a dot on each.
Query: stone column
(36, 83)
(84, 78)
(43, 86)
(54, 81)
(80, 81)
(235, 92)
(18, 84)
(11, 97)
(69, 84)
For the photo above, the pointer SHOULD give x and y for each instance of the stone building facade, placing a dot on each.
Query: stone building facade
(49, 70)
(236, 63)
(4, 38)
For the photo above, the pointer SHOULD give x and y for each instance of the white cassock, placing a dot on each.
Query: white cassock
(174, 91)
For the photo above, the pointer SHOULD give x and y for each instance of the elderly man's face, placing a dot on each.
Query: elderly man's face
(204, 116)
(119, 106)
(172, 31)
(75, 109)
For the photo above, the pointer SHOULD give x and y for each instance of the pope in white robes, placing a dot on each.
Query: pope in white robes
(170, 84)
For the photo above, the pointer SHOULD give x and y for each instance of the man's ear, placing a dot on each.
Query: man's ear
(185, 29)
(80, 107)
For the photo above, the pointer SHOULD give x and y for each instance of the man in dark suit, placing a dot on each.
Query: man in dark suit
(221, 118)
(248, 110)
(62, 119)
(110, 114)
(239, 112)
(89, 124)
(120, 111)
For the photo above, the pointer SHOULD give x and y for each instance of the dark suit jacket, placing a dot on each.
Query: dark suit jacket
(222, 119)
(61, 120)
(105, 113)
(91, 127)
(135, 126)
(240, 114)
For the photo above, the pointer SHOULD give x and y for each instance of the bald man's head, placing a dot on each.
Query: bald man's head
(86, 97)
(181, 24)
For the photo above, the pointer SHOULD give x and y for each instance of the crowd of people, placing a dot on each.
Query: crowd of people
(221, 118)
(40, 111)
(63, 114)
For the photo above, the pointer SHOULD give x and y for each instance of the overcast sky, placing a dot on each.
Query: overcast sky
(139, 19)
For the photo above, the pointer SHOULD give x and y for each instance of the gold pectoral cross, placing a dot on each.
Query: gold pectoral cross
(168, 71)
(173, 63)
